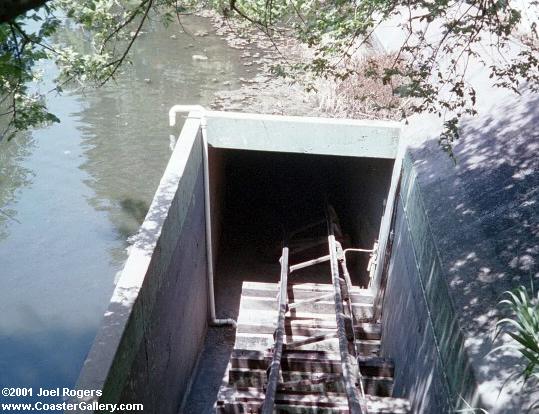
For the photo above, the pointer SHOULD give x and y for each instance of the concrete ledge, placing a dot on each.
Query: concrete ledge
(324, 136)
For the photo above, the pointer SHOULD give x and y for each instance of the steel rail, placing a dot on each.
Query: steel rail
(356, 404)
(275, 365)
(351, 375)
(352, 333)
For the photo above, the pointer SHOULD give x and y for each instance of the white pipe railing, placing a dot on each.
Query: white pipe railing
(199, 112)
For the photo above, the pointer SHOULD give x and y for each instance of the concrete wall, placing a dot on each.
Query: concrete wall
(421, 331)
(483, 214)
(321, 136)
(368, 185)
(155, 326)
(217, 162)
(484, 217)
(174, 329)
(364, 186)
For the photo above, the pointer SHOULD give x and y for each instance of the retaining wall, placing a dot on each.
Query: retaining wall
(151, 335)
(421, 330)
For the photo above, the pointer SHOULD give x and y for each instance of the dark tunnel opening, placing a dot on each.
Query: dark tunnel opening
(264, 195)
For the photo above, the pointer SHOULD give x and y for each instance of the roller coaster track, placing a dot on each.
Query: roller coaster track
(319, 353)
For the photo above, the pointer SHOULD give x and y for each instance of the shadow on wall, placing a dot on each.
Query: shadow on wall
(484, 217)
(408, 336)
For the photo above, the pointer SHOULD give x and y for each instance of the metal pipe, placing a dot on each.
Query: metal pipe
(177, 109)
(358, 250)
(371, 266)
(209, 241)
(309, 263)
(207, 207)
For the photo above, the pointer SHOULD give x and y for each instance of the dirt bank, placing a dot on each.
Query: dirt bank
(263, 92)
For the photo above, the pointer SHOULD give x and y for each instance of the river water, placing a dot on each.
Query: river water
(76, 191)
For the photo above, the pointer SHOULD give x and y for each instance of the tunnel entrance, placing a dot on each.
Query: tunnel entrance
(264, 195)
(203, 272)
(256, 197)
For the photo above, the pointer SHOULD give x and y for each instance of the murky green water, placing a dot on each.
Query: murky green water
(76, 191)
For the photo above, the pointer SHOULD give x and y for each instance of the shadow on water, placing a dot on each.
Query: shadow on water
(13, 177)
(487, 227)
(135, 208)
(131, 217)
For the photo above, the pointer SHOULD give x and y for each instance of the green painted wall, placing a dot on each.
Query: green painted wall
(421, 328)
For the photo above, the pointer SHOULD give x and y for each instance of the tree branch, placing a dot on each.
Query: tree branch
(117, 63)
